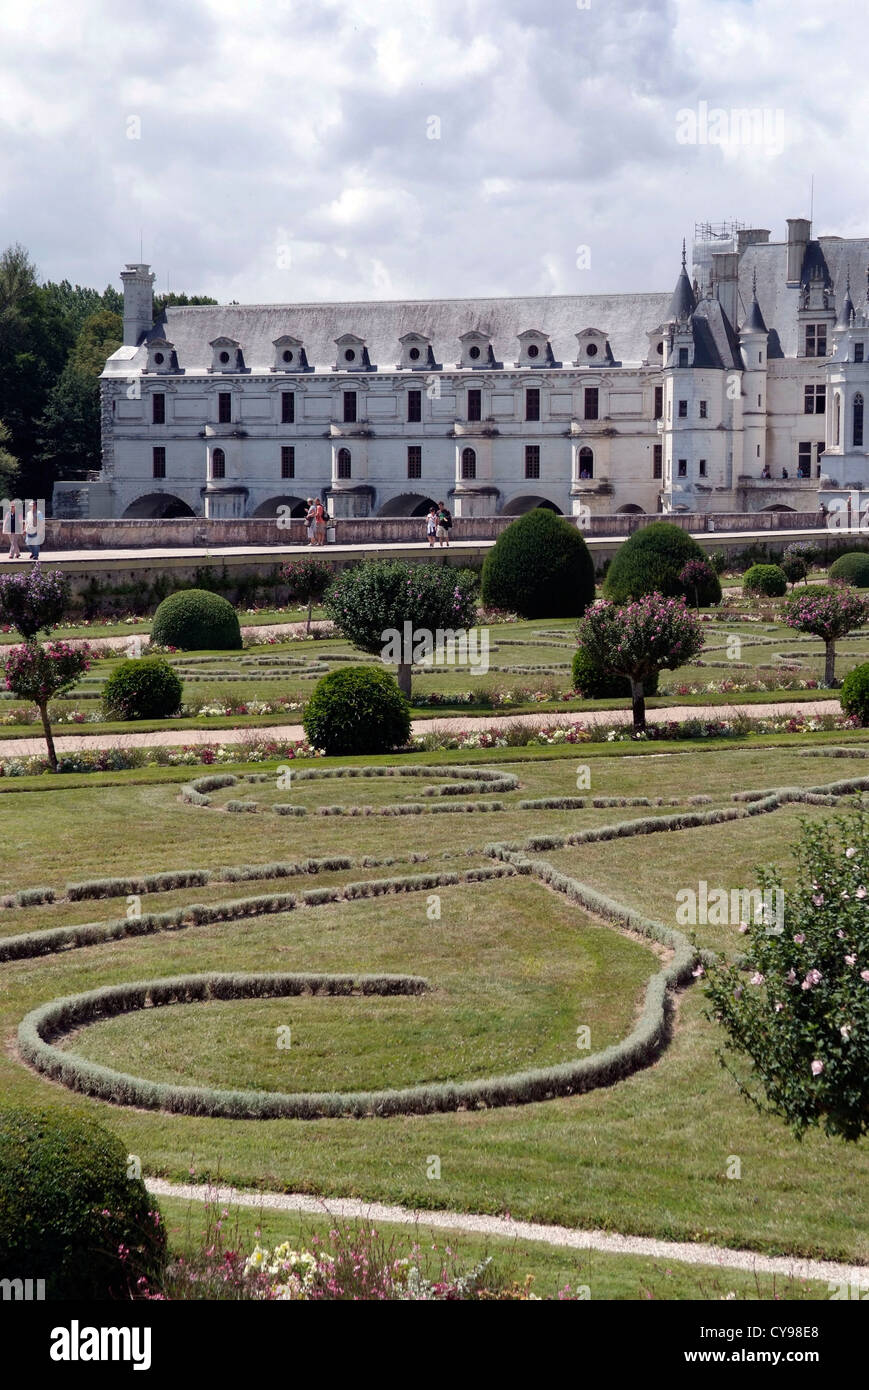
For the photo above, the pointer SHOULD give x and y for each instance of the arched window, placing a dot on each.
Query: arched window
(344, 463)
(469, 463)
(586, 463)
(218, 464)
(857, 430)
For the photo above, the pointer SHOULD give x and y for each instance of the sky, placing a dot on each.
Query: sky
(277, 151)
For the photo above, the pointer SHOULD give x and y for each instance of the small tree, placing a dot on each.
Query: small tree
(653, 634)
(695, 576)
(34, 601)
(40, 674)
(828, 614)
(307, 581)
(801, 1013)
(395, 610)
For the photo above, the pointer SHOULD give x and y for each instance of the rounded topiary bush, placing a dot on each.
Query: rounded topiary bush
(358, 710)
(852, 568)
(69, 1214)
(770, 581)
(196, 620)
(794, 568)
(144, 688)
(854, 695)
(540, 567)
(596, 684)
(651, 561)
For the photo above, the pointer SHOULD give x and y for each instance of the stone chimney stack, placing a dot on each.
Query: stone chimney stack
(725, 271)
(138, 282)
(799, 232)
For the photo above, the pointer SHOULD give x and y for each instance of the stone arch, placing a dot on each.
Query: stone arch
(526, 502)
(158, 506)
(407, 504)
(630, 509)
(269, 509)
(778, 507)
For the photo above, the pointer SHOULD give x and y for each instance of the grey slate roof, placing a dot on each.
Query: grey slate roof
(778, 301)
(626, 318)
(683, 302)
(715, 342)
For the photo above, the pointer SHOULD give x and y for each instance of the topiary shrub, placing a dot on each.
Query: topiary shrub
(651, 561)
(794, 569)
(196, 620)
(595, 684)
(540, 567)
(69, 1212)
(357, 710)
(144, 688)
(854, 697)
(770, 581)
(852, 568)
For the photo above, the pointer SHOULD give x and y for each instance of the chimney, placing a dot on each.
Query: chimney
(799, 231)
(751, 236)
(138, 282)
(725, 271)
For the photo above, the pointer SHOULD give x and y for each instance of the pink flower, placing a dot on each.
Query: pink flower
(817, 1067)
(778, 1008)
(850, 852)
(698, 972)
(861, 892)
(813, 978)
(850, 960)
(757, 978)
(800, 938)
(818, 899)
(791, 977)
(864, 975)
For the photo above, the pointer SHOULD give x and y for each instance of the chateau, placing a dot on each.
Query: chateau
(742, 390)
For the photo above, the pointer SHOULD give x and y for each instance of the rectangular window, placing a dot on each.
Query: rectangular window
(657, 460)
(683, 357)
(158, 408)
(159, 461)
(659, 403)
(591, 403)
(804, 459)
(349, 407)
(683, 468)
(858, 352)
(532, 460)
(704, 410)
(532, 406)
(414, 407)
(288, 461)
(288, 407)
(816, 340)
(683, 410)
(475, 405)
(814, 400)
(224, 407)
(701, 467)
(414, 460)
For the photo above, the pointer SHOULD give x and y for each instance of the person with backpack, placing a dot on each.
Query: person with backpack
(444, 523)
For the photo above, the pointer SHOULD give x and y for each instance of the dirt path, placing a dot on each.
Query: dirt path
(716, 1256)
(171, 738)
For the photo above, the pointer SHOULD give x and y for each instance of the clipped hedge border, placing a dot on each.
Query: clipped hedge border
(29, 945)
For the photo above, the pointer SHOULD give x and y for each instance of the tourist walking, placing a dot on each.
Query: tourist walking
(12, 528)
(319, 523)
(431, 525)
(444, 523)
(34, 531)
(309, 520)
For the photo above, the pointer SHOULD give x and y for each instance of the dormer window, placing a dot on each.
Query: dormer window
(534, 349)
(161, 356)
(352, 354)
(476, 350)
(416, 352)
(592, 346)
(226, 355)
(289, 354)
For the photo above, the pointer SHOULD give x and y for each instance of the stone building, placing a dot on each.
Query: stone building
(742, 390)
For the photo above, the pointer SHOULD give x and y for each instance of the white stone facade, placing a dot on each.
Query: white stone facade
(498, 405)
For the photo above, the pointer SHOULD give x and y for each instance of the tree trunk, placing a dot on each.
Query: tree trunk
(404, 678)
(830, 665)
(638, 702)
(308, 624)
(52, 756)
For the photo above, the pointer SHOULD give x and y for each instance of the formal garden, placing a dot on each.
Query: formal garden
(611, 976)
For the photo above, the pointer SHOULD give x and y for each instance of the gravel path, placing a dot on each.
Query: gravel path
(567, 1237)
(170, 738)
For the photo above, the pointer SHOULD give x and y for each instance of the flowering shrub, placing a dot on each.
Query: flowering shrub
(38, 673)
(828, 614)
(307, 580)
(695, 577)
(34, 601)
(802, 1014)
(652, 634)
